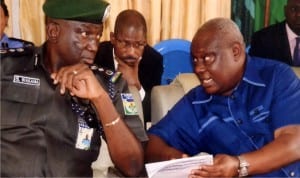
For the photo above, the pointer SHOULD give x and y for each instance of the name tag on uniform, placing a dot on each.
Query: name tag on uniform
(26, 80)
(129, 104)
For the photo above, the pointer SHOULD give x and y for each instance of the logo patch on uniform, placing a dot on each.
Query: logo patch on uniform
(129, 104)
(26, 80)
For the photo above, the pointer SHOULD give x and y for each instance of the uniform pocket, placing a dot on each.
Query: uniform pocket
(18, 102)
(16, 91)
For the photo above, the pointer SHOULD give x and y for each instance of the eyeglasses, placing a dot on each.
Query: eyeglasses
(127, 44)
(207, 59)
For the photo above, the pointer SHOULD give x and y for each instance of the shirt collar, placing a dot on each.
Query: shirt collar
(291, 35)
(251, 75)
(115, 59)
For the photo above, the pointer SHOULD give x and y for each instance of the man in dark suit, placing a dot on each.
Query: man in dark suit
(278, 41)
(128, 52)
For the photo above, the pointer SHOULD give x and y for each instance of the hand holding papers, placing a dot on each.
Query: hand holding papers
(177, 168)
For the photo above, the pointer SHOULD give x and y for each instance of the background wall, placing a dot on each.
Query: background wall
(252, 15)
(165, 18)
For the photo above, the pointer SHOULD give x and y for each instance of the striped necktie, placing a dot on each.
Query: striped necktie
(297, 53)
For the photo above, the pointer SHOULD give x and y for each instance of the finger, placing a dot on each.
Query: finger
(53, 76)
(71, 74)
(196, 171)
(84, 81)
(73, 80)
(210, 171)
(57, 77)
(63, 81)
(64, 78)
(185, 156)
(193, 176)
(208, 168)
(77, 87)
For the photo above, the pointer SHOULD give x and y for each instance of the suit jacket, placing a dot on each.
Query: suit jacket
(150, 70)
(272, 42)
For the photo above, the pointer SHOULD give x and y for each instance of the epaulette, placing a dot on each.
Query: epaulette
(106, 73)
(26, 49)
(19, 63)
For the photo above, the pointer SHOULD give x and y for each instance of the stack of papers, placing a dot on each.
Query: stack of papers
(177, 168)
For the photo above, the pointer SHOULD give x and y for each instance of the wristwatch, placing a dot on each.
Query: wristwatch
(243, 167)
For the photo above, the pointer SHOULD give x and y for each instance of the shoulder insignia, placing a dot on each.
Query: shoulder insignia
(26, 49)
(107, 73)
(114, 78)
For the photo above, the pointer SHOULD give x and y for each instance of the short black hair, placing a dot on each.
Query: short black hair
(130, 18)
(4, 7)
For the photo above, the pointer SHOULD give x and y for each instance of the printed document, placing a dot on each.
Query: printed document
(177, 168)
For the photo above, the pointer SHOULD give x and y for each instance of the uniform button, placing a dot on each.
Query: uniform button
(240, 121)
(232, 97)
(20, 49)
(292, 174)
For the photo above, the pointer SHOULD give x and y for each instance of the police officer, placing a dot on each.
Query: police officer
(9, 45)
(55, 104)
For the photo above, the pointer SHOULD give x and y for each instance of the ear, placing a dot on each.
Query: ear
(53, 31)
(237, 50)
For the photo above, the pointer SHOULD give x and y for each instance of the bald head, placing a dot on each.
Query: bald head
(219, 55)
(130, 19)
(223, 30)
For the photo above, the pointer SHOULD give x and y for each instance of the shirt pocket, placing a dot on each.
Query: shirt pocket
(225, 137)
(18, 102)
(259, 114)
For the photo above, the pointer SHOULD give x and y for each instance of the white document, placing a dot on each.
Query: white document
(177, 168)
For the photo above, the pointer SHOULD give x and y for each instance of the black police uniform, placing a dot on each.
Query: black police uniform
(38, 126)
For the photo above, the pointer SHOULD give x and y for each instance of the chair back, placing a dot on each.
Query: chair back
(176, 58)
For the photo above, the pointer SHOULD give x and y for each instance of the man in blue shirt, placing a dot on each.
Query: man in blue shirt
(245, 112)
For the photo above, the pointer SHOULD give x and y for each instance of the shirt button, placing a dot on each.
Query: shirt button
(292, 174)
(232, 97)
(240, 121)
